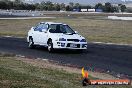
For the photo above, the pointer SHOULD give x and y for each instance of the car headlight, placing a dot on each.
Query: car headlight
(83, 40)
(62, 39)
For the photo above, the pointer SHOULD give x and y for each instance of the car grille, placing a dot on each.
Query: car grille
(78, 45)
(74, 40)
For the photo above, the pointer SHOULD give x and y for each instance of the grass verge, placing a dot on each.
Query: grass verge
(15, 73)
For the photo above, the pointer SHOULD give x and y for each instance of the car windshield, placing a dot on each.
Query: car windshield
(59, 28)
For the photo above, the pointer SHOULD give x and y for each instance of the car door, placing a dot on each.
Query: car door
(36, 34)
(43, 35)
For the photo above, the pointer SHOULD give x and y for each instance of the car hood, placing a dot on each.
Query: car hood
(66, 36)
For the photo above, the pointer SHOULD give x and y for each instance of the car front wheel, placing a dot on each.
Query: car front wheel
(50, 46)
(31, 44)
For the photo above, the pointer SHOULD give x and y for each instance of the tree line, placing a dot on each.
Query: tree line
(108, 7)
(50, 6)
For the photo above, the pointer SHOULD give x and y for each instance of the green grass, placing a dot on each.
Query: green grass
(95, 30)
(17, 74)
(14, 73)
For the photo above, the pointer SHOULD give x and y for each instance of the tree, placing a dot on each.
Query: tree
(37, 6)
(123, 8)
(71, 4)
(3, 5)
(99, 6)
(49, 5)
(18, 1)
(86, 7)
(57, 7)
(77, 5)
(108, 7)
(68, 8)
(62, 6)
(9, 5)
(45, 6)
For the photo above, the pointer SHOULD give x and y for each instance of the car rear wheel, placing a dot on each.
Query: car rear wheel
(31, 43)
(50, 46)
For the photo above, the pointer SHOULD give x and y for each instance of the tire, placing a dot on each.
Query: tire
(31, 43)
(50, 46)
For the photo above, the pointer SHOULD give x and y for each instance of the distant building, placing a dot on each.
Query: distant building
(91, 10)
(87, 10)
(76, 10)
(98, 10)
(84, 10)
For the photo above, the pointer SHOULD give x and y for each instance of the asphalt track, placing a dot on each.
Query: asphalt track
(100, 57)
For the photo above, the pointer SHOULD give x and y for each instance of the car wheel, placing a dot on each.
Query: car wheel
(50, 46)
(31, 43)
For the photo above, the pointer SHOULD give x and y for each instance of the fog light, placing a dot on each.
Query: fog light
(62, 44)
(84, 45)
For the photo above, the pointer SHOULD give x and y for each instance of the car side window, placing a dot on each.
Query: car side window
(41, 27)
(37, 28)
(44, 26)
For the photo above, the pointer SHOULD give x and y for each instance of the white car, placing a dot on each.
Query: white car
(55, 36)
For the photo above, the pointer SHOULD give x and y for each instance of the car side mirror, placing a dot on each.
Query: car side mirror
(76, 32)
(44, 30)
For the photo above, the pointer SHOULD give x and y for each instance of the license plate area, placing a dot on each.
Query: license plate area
(73, 45)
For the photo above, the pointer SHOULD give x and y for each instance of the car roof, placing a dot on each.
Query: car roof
(52, 23)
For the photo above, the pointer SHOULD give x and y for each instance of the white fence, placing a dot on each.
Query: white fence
(20, 13)
(119, 18)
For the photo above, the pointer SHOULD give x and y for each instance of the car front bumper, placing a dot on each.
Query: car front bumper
(69, 45)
